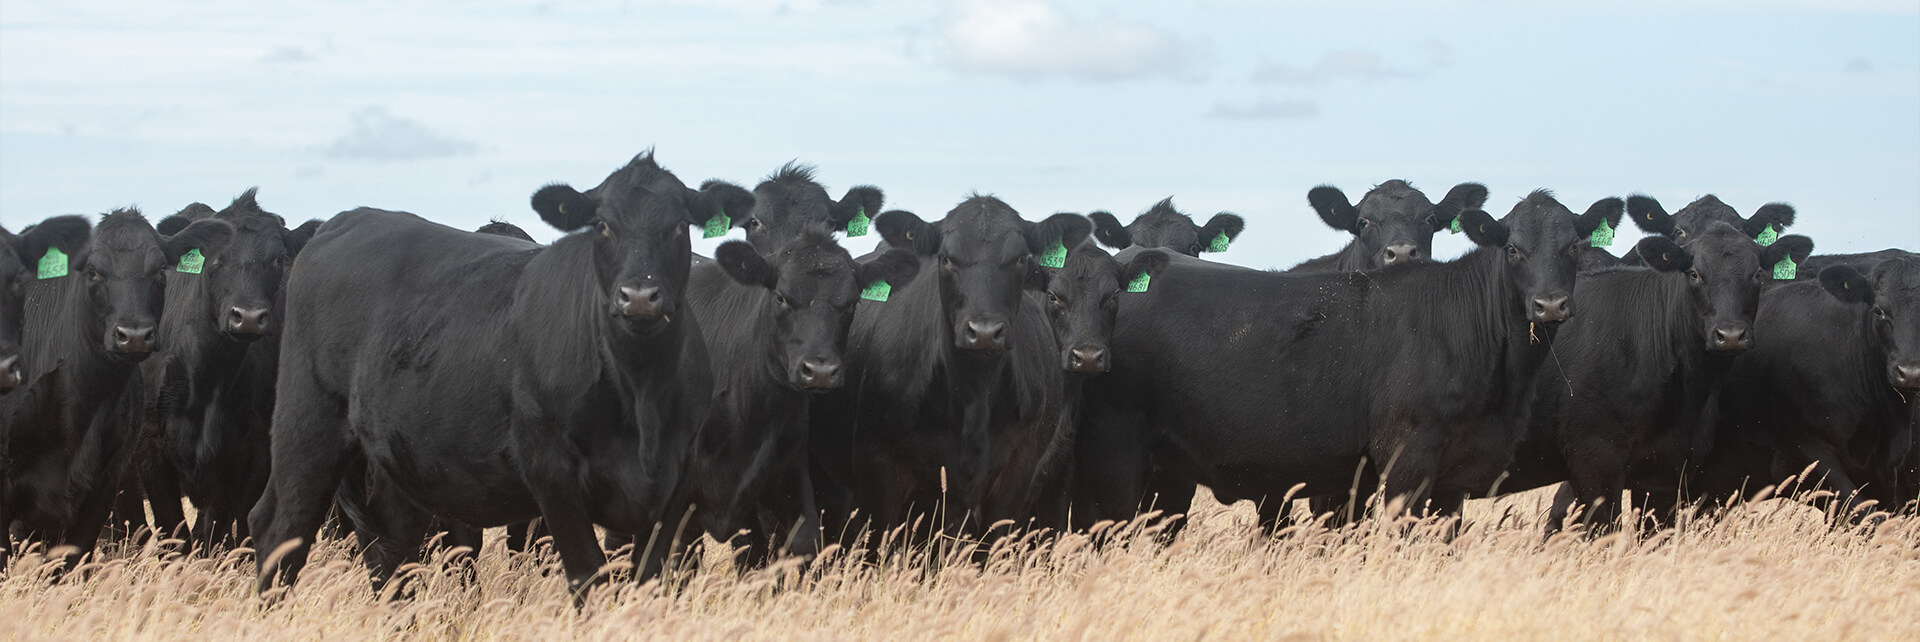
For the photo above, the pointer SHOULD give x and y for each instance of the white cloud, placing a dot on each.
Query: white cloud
(1351, 63)
(1034, 38)
(1268, 110)
(381, 136)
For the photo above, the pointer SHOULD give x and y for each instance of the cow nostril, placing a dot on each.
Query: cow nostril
(985, 333)
(132, 339)
(1552, 308)
(1909, 375)
(641, 302)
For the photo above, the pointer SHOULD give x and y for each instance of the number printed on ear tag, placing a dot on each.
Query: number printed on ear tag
(1602, 236)
(191, 262)
(1139, 283)
(857, 226)
(876, 291)
(1786, 269)
(1219, 243)
(716, 226)
(53, 264)
(1055, 256)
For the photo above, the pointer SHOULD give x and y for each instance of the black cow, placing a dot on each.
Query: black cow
(1163, 226)
(91, 319)
(1701, 214)
(1832, 382)
(790, 201)
(1249, 382)
(492, 381)
(19, 261)
(1630, 402)
(1393, 223)
(1862, 262)
(954, 392)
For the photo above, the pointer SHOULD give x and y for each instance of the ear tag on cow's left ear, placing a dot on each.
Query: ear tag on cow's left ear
(1767, 236)
(1455, 227)
(1786, 269)
(1602, 236)
(1055, 255)
(857, 226)
(191, 262)
(1219, 244)
(876, 291)
(716, 226)
(53, 264)
(1139, 283)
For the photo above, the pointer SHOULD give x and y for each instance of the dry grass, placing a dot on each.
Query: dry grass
(1770, 570)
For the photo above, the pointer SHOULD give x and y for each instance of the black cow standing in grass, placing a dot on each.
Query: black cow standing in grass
(88, 323)
(954, 392)
(1630, 401)
(1163, 226)
(1250, 382)
(493, 381)
(1832, 382)
(1394, 223)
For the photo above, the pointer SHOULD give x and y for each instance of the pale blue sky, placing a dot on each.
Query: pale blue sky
(459, 111)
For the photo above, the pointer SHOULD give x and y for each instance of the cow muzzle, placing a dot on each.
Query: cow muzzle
(1087, 359)
(1400, 253)
(1905, 376)
(132, 341)
(985, 334)
(818, 374)
(246, 324)
(644, 303)
(9, 373)
(1731, 338)
(1550, 309)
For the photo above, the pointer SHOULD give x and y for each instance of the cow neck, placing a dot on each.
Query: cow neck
(560, 304)
(1478, 290)
(1349, 258)
(61, 330)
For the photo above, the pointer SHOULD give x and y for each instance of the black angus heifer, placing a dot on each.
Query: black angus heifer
(211, 390)
(91, 317)
(1630, 401)
(790, 201)
(1832, 382)
(19, 264)
(1250, 382)
(776, 327)
(1163, 226)
(1393, 223)
(492, 381)
(954, 392)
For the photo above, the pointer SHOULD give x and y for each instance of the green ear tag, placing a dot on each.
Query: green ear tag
(54, 264)
(876, 291)
(1602, 236)
(1767, 236)
(1786, 269)
(1055, 256)
(857, 226)
(1455, 228)
(1139, 283)
(1219, 243)
(191, 262)
(716, 226)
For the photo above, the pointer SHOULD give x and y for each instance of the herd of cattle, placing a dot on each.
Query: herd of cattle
(975, 371)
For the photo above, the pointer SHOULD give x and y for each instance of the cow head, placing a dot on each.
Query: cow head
(1083, 302)
(1701, 214)
(987, 256)
(124, 266)
(1394, 222)
(19, 260)
(1891, 293)
(790, 201)
(1725, 271)
(1543, 241)
(636, 222)
(1162, 226)
(813, 286)
(243, 280)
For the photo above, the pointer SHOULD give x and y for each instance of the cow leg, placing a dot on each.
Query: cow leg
(1173, 497)
(1563, 500)
(310, 454)
(83, 533)
(393, 535)
(129, 512)
(1597, 472)
(1412, 467)
(563, 508)
(1111, 475)
(164, 496)
(521, 536)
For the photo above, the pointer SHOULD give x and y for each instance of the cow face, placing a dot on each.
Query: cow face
(1725, 271)
(1163, 226)
(790, 202)
(244, 279)
(19, 258)
(1702, 214)
(1891, 292)
(1543, 241)
(1083, 302)
(1394, 222)
(814, 287)
(636, 221)
(124, 266)
(986, 256)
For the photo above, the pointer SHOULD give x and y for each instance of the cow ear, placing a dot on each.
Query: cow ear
(1792, 245)
(745, 265)
(171, 225)
(1661, 253)
(1846, 283)
(1482, 229)
(1469, 196)
(209, 235)
(1150, 263)
(68, 233)
(1606, 209)
(903, 229)
(860, 199)
(297, 238)
(897, 267)
(563, 207)
(1225, 222)
(1649, 216)
(1070, 230)
(1109, 232)
(718, 197)
(1775, 215)
(1334, 209)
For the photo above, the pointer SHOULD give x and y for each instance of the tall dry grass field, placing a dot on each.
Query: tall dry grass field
(1768, 570)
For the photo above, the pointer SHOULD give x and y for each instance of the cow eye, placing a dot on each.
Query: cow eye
(1513, 251)
(782, 300)
(1053, 299)
(601, 227)
(946, 263)
(1366, 223)
(754, 225)
(93, 275)
(1694, 275)
(1683, 233)
(1760, 276)
(1881, 314)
